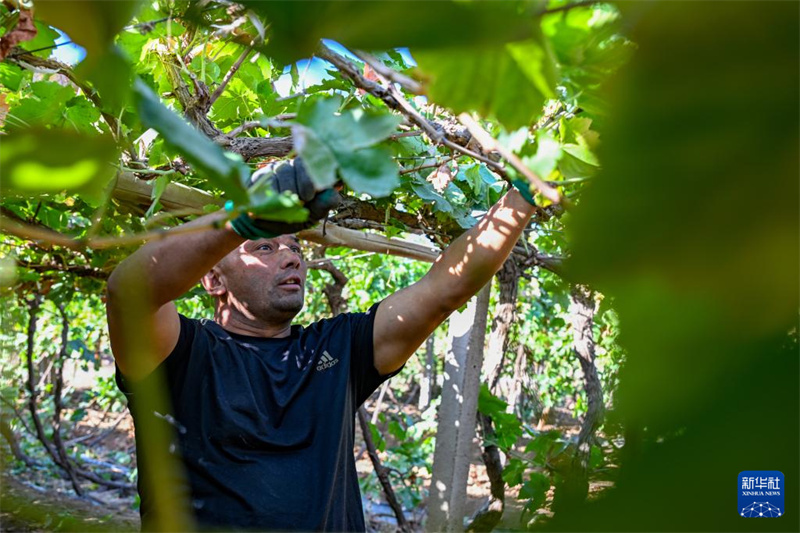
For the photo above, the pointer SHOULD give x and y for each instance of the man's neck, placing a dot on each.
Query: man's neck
(242, 325)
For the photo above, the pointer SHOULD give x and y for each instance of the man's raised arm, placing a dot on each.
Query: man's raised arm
(406, 318)
(141, 290)
(143, 324)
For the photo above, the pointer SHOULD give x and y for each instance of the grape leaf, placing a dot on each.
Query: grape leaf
(328, 142)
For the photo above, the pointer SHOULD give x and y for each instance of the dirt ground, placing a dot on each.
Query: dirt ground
(33, 500)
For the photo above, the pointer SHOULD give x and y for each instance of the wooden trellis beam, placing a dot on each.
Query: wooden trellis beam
(178, 197)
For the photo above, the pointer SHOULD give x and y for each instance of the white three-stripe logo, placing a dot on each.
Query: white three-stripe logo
(326, 361)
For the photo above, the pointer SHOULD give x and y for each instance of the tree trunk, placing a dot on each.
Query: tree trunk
(490, 514)
(582, 312)
(456, 429)
(380, 471)
(33, 394)
(524, 389)
(58, 385)
(576, 483)
(505, 311)
(13, 442)
(428, 381)
(504, 314)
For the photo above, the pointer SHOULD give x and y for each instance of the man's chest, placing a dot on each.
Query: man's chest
(266, 401)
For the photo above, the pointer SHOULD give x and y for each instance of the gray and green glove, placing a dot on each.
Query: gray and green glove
(288, 176)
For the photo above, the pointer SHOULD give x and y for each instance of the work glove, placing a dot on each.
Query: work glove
(288, 176)
(524, 189)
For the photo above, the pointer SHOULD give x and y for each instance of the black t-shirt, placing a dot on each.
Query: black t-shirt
(264, 426)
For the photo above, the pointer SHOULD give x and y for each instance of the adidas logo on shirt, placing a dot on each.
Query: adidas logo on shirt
(326, 361)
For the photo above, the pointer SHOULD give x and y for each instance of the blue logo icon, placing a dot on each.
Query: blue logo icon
(761, 494)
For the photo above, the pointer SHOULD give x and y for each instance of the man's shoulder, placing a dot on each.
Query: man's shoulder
(344, 319)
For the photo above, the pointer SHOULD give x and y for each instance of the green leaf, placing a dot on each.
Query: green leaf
(45, 36)
(280, 207)
(237, 103)
(473, 176)
(112, 76)
(82, 114)
(488, 403)
(319, 160)
(10, 76)
(93, 24)
(296, 28)
(52, 93)
(371, 170)
(596, 459)
(352, 129)
(368, 127)
(535, 62)
(328, 142)
(397, 430)
(78, 414)
(510, 82)
(512, 473)
(574, 167)
(377, 438)
(72, 161)
(582, 153)
(207, 158)
(212, 71)
(268, 99)
(159, 187)
(426, 192)
(535, 489)
(548, 152)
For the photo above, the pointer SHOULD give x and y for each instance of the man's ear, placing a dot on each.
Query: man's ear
(213, 283)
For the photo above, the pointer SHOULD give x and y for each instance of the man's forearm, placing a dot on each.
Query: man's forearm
(169, 267)
(472, 259)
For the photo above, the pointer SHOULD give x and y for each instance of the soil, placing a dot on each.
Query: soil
(25, 509)
(33, 500)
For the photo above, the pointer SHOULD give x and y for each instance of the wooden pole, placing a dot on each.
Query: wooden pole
(178, 197)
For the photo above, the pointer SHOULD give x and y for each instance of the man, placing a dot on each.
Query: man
(263, 410)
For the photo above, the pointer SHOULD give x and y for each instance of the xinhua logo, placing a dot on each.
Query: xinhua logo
(326, 361)
(760, 494)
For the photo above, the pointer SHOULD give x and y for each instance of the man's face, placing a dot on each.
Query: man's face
(266, 278)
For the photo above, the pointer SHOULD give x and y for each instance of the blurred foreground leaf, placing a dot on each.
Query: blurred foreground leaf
(297, 27)
(692, 229)
(510, 81)
(39, 161)
(93, 24)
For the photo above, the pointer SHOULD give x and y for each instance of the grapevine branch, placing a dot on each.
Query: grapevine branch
(407, 83)
(490, 143)
(228, 77)
(395, 100)
(392, 96)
